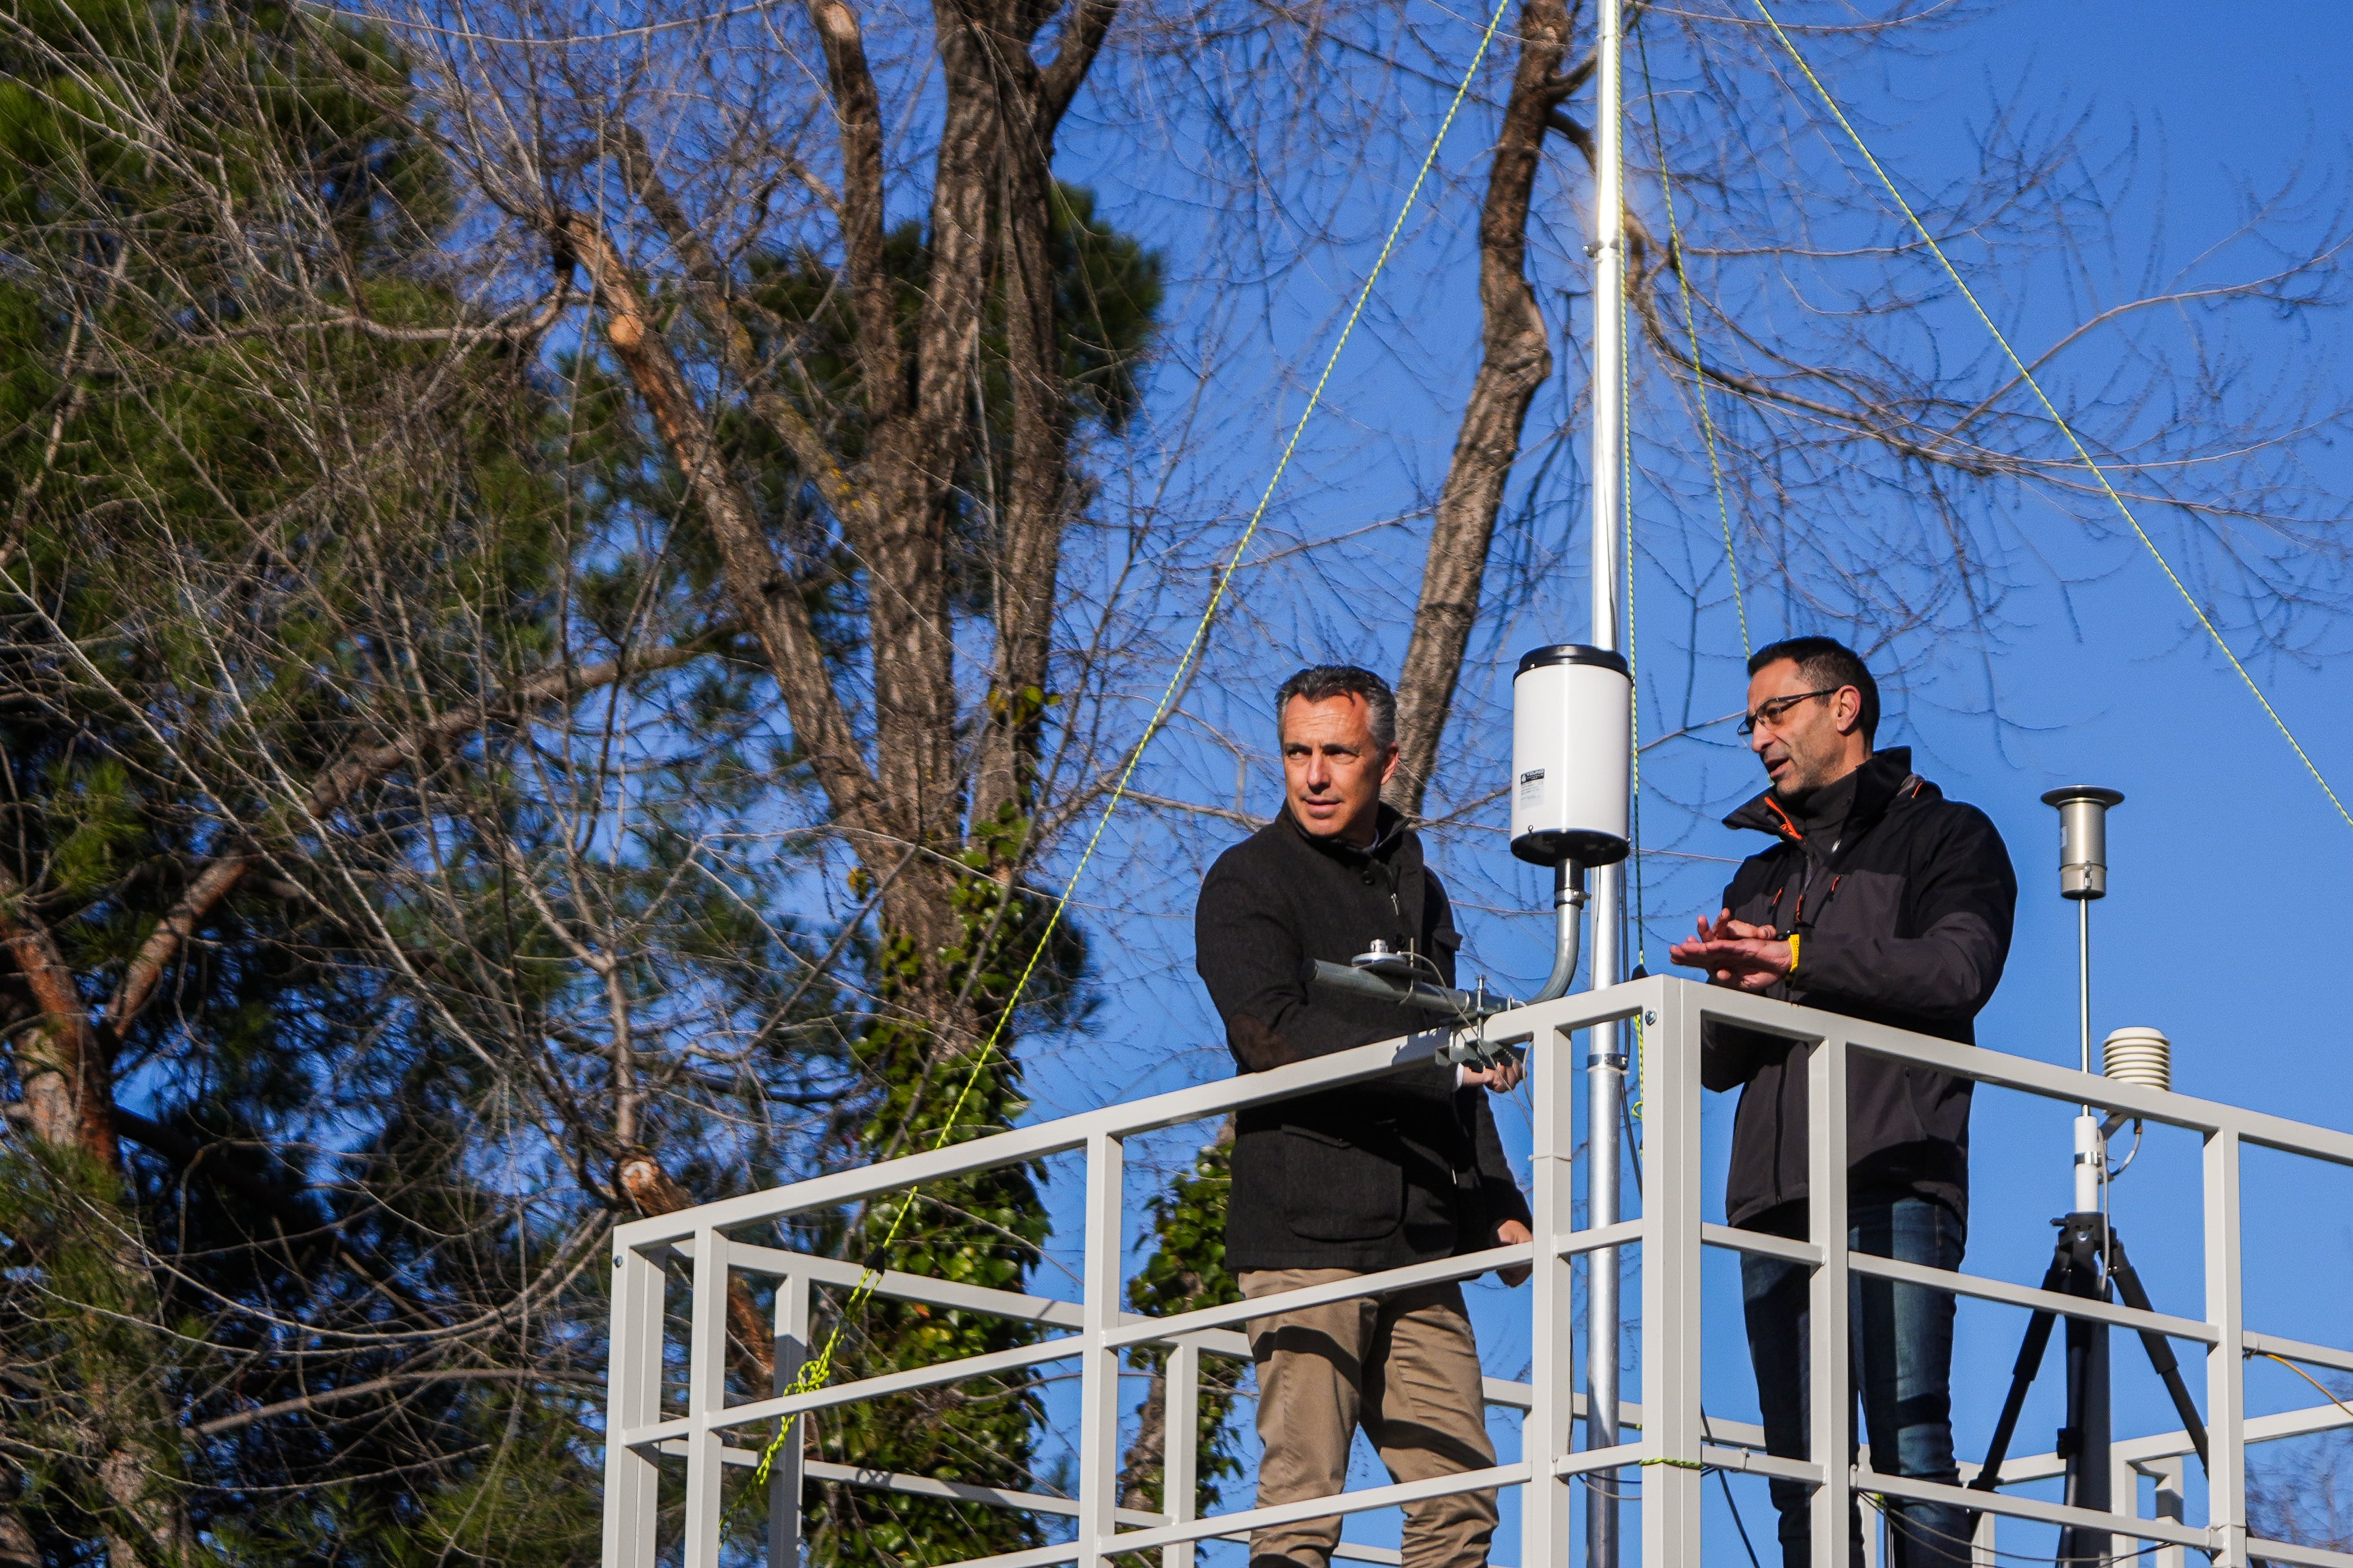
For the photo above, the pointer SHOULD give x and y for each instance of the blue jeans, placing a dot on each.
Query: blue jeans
(1902, 1360)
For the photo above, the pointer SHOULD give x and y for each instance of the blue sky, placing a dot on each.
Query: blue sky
(2228, 863)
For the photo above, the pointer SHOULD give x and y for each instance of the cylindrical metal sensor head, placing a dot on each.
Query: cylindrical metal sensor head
(2083, 838)
(2140, 1056)
(1572, 727)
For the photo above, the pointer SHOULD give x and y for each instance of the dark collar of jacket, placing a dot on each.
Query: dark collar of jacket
(1394, 843)
(1884, 776)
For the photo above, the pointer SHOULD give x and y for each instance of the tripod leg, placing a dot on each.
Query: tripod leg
(2160, 1349)
(2021, 1377)
(2088, 1441)
(2086, 1445)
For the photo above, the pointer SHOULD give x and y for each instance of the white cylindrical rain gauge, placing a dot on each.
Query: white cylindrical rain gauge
(2082, 839)
(1572, 725)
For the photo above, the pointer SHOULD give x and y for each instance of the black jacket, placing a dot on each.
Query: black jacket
(1399, 1169)
(1906, 923)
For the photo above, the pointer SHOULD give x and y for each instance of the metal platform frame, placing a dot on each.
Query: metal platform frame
(1678, 1444)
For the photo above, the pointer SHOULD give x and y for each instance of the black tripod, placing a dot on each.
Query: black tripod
(2076, 1270)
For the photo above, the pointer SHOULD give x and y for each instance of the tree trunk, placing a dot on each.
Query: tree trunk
(67, 1078)
(1514, 359)
(1035, 503)
(17, 1549)
(651, 1189)
(1144, 1472)
(989, 216)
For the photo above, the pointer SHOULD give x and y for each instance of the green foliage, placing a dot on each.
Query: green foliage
(985, 1229)
(239, 547)
(246, 538)
(496, 1470)
(1107, 294)
(1185, 1272)
(982, 1230)
(83, 1367)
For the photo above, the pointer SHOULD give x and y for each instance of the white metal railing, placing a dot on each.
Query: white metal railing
(1677, 1442)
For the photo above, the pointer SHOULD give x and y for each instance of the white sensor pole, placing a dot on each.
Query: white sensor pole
(1606, 1052)
(2083, 876)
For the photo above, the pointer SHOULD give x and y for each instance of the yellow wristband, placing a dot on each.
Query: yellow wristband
(1793, 953)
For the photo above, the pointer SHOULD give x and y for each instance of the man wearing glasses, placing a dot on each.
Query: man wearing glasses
(1880, 900)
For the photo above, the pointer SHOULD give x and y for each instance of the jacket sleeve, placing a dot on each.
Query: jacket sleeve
(1250, 958)
(1729, 1055)
(1965, 896)
(1499, 1191)
(1437, 919)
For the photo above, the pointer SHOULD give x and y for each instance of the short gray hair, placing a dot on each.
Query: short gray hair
(1322, 682)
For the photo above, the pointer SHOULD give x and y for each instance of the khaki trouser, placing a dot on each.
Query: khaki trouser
(1404, 1367)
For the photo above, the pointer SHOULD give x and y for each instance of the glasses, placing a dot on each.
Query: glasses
(1770, 715)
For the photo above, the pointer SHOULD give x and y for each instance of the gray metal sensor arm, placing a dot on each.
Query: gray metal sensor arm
(1340, 980)
(1467, 1010)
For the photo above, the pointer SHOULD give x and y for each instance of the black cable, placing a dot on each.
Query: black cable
(1737, 1522)
(1633, 1149)
(1626, 1102)
(1898, 1519)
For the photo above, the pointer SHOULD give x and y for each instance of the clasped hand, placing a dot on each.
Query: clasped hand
(1501, 1076)
(1735, 953)
(1511, 1233)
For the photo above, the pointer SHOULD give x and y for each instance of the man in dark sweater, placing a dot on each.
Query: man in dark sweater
(1880, 900)
(1398, 1169)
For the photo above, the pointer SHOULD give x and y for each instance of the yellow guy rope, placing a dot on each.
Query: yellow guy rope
(818, 1371)
(1634, 693)
(1691, 330)
(2051, 409)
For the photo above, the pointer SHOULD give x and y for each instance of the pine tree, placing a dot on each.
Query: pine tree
(274, 517)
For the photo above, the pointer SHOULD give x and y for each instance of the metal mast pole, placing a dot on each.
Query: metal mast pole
(2083, 976)
(1605, 1056)
(2089, 1152)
